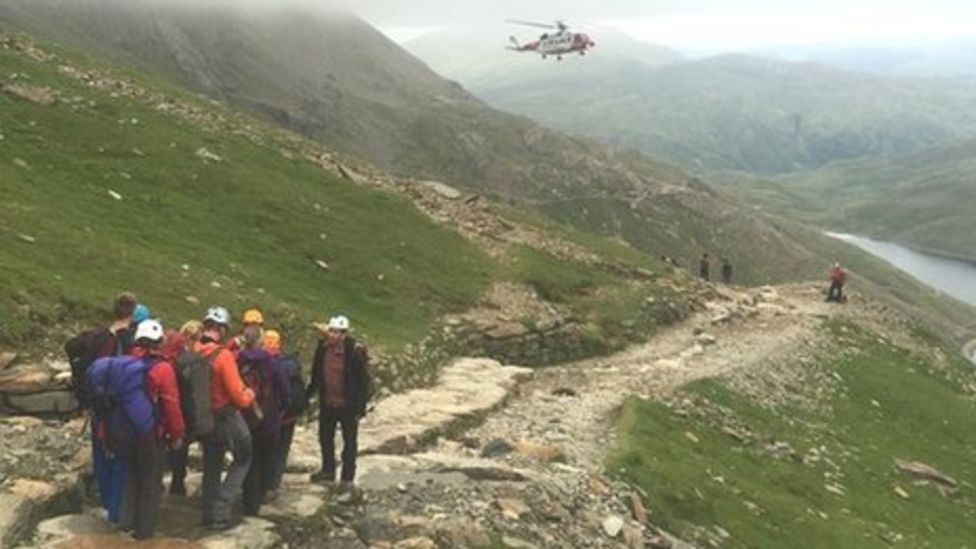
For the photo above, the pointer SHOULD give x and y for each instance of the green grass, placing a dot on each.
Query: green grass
(251, 222)
(616, 310)
(921, 413)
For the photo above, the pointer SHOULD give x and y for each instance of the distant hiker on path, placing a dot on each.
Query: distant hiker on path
(229, 396)
(341, 380)
(726, 271)
(704, 267)
(838, 276)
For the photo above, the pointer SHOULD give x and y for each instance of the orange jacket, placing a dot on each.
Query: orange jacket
(227, 387)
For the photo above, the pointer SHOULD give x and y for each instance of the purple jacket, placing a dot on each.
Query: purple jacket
(272, 398)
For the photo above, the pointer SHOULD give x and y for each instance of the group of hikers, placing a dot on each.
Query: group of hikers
(837, 276)
(151, 392)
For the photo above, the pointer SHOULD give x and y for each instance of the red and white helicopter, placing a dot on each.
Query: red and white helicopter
(557, 43)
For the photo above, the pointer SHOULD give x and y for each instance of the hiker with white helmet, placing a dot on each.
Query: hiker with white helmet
(228, 396)
(341, 381)
(139, 401)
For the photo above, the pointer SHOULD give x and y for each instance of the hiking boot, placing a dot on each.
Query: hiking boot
(270, 496)
(322, 476)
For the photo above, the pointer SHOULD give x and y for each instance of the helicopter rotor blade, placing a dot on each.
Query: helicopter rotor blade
(533, 24)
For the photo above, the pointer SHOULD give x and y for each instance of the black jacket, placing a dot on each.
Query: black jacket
(357, 378)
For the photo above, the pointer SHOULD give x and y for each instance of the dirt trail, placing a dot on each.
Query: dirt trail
(571, 405)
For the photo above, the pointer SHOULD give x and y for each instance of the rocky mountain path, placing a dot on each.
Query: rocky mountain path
(572, 405)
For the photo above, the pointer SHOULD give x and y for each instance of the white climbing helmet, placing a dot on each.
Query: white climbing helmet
(150, 330)
(339, 322)
(217, 315)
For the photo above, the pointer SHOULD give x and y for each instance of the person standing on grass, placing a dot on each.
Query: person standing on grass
(341, 381)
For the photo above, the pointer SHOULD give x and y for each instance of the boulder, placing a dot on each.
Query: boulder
(444, 191)
(921, 471)
(612, 525)
(25, 380)
(56, 402)
(34, 94)
(417, 542)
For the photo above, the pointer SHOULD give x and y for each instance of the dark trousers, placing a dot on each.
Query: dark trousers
(258, 480)
(231, 434)
(281, 454)
(349, 422)
(178, 460)
(836, 292)
(140, 507)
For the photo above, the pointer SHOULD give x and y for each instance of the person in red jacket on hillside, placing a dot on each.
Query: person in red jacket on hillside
(144, 460)
(229, 396)
(838, 276)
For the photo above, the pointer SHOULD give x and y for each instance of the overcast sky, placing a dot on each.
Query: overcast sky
(698, 24)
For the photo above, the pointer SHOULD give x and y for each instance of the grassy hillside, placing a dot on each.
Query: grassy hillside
(923, 199)
(727, 466)
(112, 182)
(253, 223)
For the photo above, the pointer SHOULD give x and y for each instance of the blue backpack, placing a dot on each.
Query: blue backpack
(121, 399)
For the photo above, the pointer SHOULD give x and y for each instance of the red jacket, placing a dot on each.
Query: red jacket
(165, 393)
(227, 386)
(838, 274)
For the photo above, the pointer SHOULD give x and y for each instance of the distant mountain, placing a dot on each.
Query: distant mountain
(924, 199)
(947, 59)
(731, 112)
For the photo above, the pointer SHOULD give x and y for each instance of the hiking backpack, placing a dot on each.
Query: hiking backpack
(254, 376)
(194, 373)
(82, 351)
(297, 403)
(121, 399)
